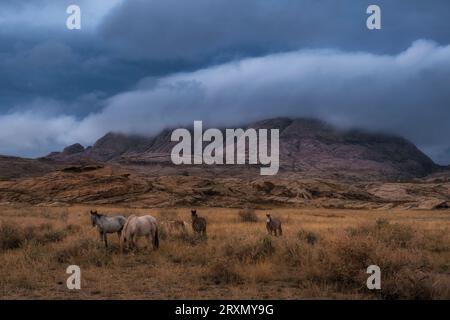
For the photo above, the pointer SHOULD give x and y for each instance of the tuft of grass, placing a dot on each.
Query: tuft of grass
(251, 251)
(394, 235)
(223, 272)
(307, 236)
(84, 252)
(11, 237)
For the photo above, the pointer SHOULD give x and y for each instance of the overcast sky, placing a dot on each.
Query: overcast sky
(139, 66)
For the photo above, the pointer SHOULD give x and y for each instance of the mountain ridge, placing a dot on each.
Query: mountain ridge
(306, 145)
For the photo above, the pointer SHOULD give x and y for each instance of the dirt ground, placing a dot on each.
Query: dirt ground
(323, 253)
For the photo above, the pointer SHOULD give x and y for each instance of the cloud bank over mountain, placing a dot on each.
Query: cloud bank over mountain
(405, 94)
(138, 66)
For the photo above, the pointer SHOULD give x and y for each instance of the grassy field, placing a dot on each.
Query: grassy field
(321, 254)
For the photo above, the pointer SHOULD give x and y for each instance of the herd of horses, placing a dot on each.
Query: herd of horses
(132, 228)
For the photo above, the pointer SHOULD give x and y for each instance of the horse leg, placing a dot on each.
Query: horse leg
(119, 234)
(134, 241)
(150, 240)
(106, 240)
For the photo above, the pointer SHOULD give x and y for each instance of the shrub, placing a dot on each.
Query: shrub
(11, 237)
(223, 272)
(84, 252)
(248, 215)
(408, 284)
(43, 234)
(394, 235)
(252, 252)
(191, 238)
(307, 236)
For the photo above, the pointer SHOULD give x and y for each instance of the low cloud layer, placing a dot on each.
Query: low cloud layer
(405, 94)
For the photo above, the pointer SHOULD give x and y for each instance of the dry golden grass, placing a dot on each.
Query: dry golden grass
(322, 254)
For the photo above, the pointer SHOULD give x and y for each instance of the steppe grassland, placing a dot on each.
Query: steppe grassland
(323, 253)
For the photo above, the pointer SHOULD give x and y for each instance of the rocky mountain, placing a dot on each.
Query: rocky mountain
(321, 166)
(306, 145)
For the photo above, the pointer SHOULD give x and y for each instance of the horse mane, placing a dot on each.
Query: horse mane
(125, 229)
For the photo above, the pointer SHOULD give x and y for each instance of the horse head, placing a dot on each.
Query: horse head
(94, 216)
(194, 214)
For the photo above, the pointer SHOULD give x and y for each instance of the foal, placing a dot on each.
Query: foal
(273, 225)
(107, 225)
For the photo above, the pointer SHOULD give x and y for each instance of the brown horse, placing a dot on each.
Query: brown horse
(198, 223)
(273, 225)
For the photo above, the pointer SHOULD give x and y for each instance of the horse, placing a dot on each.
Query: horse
(198, 223)
(136, 227)
(273, 225)
(107, 224)
(174, 228)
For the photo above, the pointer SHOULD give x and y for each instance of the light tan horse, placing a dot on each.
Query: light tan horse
(174, 228)
(136, 227)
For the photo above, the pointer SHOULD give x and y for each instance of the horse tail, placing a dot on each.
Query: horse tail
(156, 239)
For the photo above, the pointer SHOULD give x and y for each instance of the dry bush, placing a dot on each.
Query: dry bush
(84, 252)
(307, 236)
(395, 235)
(179, 253)
(261, 272)
(13, 237)
(304, 257)
(406, 272)
(345, 261)
(250, 251)
(409, 284)
(247, 215)
(223, 271)
(437, 242)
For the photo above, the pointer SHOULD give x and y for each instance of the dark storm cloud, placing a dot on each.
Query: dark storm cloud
(137, 66)
(220, 29)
